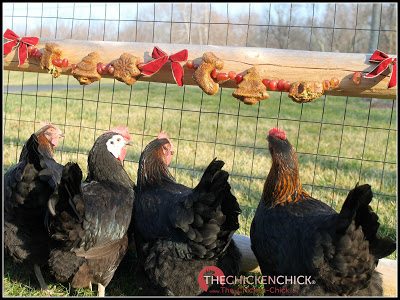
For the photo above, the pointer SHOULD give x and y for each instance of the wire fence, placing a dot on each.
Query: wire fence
(340, 140)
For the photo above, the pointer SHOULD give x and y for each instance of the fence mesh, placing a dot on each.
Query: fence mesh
(340, 140)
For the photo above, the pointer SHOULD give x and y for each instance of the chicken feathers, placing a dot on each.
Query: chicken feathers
(91, 219)
(179, 230)
(27, 188)
(294, 234)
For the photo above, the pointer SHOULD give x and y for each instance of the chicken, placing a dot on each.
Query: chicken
(294, 234)
(89, 222)
(178, 230)
(27, 188)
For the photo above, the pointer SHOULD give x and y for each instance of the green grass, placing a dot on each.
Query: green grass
(202, 127)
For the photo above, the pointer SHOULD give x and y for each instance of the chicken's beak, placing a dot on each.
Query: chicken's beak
(128, 143)
(62, 135)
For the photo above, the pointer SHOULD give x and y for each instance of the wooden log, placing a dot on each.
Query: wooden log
(249, 262)
(387, 267)
(291, 65)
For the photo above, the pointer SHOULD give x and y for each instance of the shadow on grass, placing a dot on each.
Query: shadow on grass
(20, 273)
(19, 280)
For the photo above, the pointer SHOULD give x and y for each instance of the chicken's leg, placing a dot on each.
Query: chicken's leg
(101, 290)
(39, 276)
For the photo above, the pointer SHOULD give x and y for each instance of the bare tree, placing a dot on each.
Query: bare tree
(202, 23)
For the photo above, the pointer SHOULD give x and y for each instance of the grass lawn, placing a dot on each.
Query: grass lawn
(340, 140)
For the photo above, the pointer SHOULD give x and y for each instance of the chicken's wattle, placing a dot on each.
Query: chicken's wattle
(54, 141)
(122, 155)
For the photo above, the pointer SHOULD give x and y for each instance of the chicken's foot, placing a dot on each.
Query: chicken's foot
(101, 289)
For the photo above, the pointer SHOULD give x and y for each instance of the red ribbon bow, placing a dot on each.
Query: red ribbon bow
(161, 58)
(20, 43)
(384, 62)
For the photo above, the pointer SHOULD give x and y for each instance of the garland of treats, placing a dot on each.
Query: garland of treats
(251, 88)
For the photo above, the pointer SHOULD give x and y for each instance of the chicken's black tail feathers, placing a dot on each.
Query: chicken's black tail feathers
(382, 247)
(209, 173)
(215, 181)
(357, 198)
(356, 207)
(69, 187)
(72, 178)
(212, 220)
(230, 208)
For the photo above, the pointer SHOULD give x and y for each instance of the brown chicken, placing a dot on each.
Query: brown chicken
(293, 234)
(27, 188)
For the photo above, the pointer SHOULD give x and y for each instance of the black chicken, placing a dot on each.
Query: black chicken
(294, 234)
(27, 188)
(178, 230)
(89, 222)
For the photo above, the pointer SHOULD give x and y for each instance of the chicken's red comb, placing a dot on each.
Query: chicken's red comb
(279, 133)
(46, 125)
(122, 130)
(164, 135)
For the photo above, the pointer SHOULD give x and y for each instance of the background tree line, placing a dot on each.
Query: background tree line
(341, 27)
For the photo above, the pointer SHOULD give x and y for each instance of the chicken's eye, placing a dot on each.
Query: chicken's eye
(118, 139)
(112, 142)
